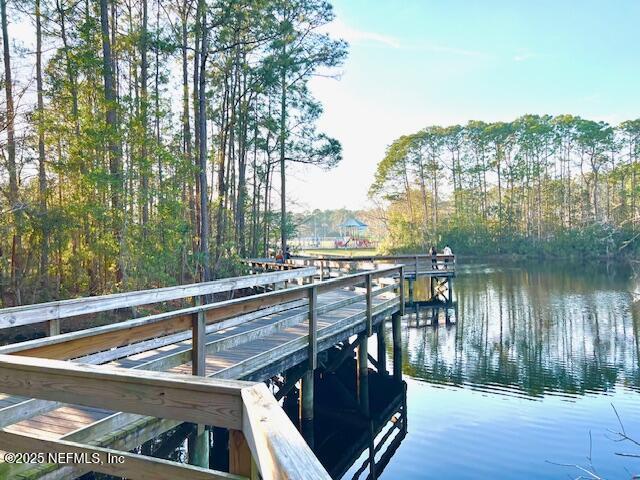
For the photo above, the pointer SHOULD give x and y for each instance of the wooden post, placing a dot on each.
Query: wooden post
(382, 349)
(199, 453)
(397, 346)
(411, 291)
(306, 404)
(198, 341)
(401, 292)
(450, 285)
(53, 327)
(313, 328)
(363, 373)
(321, 270)
(198, 448)
(240, 460)
(369, 286)
(416, 262)
(404, 409)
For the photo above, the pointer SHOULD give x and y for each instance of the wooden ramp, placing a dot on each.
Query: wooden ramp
(250, 338)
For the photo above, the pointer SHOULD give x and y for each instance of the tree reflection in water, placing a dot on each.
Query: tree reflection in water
(533, 329)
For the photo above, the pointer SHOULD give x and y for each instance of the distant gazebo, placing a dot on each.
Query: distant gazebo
(353, 228)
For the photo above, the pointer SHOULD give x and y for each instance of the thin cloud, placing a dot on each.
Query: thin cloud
(340, 29)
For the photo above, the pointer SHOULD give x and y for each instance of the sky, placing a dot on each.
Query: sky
(414, 63)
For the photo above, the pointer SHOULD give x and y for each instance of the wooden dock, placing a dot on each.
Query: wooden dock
(106, 390)
(440, 270)
(418, 265)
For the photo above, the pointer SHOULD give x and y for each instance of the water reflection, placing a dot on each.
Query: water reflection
(530, 330)
(523, 376)
(348, 442)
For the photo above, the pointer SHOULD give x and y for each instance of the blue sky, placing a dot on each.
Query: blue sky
(414, 63)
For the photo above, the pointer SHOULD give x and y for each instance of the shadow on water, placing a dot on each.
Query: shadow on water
(346, 440)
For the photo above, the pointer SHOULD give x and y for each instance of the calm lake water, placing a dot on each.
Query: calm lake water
(522, 377)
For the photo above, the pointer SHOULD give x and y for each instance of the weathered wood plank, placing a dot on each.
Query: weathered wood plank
(24, 315)
(163, 395)
(32, 407)
(110, 355)
(240, 461)
(88, 341)
(70, 345)
(276, 446)
(136, 467)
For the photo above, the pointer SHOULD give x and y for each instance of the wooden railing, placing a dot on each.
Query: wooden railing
(53, 312)
(276, 448)
(260, 265)
(333, 265)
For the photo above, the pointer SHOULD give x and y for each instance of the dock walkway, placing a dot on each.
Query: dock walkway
(52, 400)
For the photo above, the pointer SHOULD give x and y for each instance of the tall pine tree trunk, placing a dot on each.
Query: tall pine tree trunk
(14, 201)
(114, 149)
(202, 153)
(283, 136)
(42, 174)
(145, 164)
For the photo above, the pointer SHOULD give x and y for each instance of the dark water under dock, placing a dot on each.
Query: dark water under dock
(524, 373)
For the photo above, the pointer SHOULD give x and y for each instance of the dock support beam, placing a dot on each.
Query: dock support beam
(382, 349)
(363, 373)
(401, 290)
(306, 403)
(199, 448)
(410, 290)
(306, 406)
(397, 346)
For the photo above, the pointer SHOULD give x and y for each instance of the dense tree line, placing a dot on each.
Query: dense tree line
(151, 146)
(545, 184)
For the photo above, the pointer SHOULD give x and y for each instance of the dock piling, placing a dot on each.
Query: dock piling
(363, 373)
(397, 346)
(411, 286)
(382, 349)
(307, 407)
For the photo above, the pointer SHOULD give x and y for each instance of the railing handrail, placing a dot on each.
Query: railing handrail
(276, 446)
(41, 312)
(370, 258)
(180, 320)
